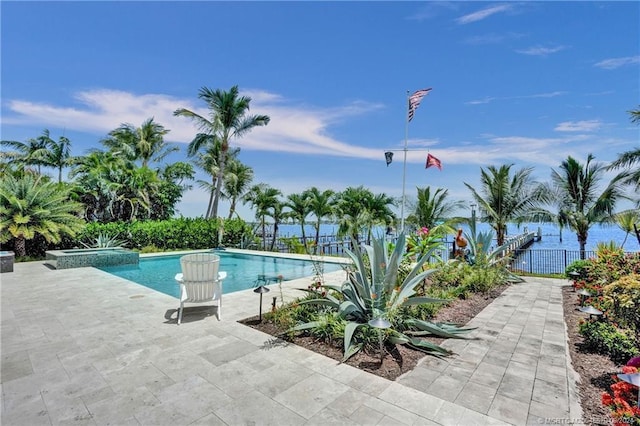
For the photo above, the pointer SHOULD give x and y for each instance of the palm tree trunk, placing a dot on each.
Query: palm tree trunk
(20, 246)
(264, 236)
(232, 208)
(223, 160)
(208, 214)
(275, 233)
(583, 244)
(315, 248)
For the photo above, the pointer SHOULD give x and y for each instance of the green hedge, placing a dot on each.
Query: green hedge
(172, 234)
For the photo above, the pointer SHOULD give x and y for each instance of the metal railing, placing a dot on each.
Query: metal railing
(548, 261)
(523, 260)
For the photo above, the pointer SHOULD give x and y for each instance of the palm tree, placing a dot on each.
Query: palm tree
(433, 208)
(581, 205)
(626, 221)
(321, 205)
(57, 155)
(33, 205)
(264, 199)
(631, 175)
(208, 159)
(353, 212)
(145, 143)
(236, 182)
(635, 115)
(300, 208)
(380, 212)
(29, 153)
(504, 198)
(276, 212)
(228, 119)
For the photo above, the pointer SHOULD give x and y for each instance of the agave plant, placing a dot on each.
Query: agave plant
(105, 241)
(373, 290)
(481, 253)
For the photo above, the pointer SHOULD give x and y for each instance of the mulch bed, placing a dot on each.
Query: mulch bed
(595, 370)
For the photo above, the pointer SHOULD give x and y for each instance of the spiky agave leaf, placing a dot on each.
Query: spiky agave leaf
(398, 338)
(448, 331)
(349, 348)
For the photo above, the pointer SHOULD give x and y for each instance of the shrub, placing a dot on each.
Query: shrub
(171, 234)
(605, 338)
(622, 298)
(623, 404)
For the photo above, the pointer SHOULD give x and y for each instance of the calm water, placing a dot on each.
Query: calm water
(550, 235)
(242, 271)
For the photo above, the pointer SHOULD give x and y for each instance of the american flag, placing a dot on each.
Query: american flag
(433, 162)
(414, 100)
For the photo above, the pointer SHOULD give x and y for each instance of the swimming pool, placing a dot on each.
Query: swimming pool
(158, 272)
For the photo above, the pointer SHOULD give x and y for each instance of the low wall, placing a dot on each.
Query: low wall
(79, 258)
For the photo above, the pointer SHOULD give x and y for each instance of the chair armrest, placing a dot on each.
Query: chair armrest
(178, 278)
(222, 275)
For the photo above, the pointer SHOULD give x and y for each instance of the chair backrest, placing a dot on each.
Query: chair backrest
(200, 267)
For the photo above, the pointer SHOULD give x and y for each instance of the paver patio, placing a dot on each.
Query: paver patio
(81, 346)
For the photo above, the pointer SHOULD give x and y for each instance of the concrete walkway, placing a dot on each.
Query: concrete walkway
(84, 347)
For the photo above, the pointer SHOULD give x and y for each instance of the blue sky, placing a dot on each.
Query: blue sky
(527, 83)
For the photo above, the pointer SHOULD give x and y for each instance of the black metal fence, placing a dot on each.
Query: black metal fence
(548, 261)
(528, 261)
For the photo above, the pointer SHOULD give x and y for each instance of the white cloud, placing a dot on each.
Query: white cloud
(541, 51)
(293, 128)
(491, 38)
(489, 99)
(579, 126)
(613, 63)
(483, 14)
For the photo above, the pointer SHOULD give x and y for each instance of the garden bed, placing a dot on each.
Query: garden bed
(595, 370)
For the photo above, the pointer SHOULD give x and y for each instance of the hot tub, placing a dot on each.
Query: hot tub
(79, 258)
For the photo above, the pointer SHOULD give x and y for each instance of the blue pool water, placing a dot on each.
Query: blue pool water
(242, 271)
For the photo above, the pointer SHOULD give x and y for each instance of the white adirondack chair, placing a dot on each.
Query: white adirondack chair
(200, 281)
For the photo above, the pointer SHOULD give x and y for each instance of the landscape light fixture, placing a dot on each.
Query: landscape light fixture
(380, 324)
(574, 276)
(583, 295)
(634, 379)
(261, 290)
(593, 312)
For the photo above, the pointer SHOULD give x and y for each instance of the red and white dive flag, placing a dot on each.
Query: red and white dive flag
(433, 162)
(414, 100)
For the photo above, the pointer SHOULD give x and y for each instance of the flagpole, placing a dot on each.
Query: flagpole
(404, 165)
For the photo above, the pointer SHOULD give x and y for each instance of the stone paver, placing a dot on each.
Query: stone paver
(82, 346)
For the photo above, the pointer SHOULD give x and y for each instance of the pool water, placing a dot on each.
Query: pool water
(243, 271)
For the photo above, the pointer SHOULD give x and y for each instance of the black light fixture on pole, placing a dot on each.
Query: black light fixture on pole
(261, 290)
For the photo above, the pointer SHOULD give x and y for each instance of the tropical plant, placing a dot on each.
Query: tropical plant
(265, 200)
(622, 402)
(32, 206)
(228, 118)
(299, 209)
(373, 291)
(623, 299)
(321, 205)
(629, 161)
(57, 154)
(105, 241)
(30, 153)
(236, 183)
(505, 198)
(581, 204)
(145, 143)
(432, 209)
